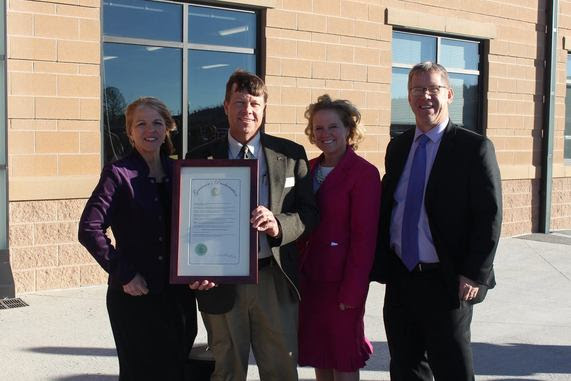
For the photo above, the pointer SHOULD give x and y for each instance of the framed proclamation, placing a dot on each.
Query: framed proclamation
(211, 234)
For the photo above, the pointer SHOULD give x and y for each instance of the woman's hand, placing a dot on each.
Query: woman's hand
(137, 286)
(344, 307)
(202, 286)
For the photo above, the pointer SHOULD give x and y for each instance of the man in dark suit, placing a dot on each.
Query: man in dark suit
(263, 316)
(438, 233)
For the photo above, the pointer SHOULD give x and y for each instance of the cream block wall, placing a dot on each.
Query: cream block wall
(44, 251)
(344, 48)
(54, 105)
(337, 47)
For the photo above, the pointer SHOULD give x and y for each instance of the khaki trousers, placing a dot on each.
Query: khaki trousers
(265, 317)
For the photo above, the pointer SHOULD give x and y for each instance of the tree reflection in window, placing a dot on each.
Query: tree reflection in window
(207, 75)
(115, 137)
(206, 124)
(143, 56)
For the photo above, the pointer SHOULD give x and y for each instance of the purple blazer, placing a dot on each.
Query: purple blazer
(128, 201)
(341, 249)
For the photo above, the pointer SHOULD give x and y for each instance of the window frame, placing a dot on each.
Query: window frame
(4, 198)
(186, 46)
(481, 120)
(7, 288)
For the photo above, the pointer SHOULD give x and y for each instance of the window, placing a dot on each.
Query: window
(462, 60)
(567, 133)
(180, 53)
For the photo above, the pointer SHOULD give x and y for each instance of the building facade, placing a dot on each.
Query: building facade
(69, 67)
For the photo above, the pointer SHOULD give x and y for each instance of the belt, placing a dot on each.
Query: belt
(264, 262)
(425, 267)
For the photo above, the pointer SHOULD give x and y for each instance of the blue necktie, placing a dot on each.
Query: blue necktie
(413, 205)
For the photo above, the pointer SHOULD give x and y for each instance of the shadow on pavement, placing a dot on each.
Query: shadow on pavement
(521, 359)
(379, 361)
(489, 359)
(74, 351)
(500, 360)
(87, 377)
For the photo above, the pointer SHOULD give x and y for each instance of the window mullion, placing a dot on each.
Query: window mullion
(184, 107)
(438, 40)
(142, 41)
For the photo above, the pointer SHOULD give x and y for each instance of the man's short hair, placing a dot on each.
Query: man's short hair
(246, 82)
(427, 67)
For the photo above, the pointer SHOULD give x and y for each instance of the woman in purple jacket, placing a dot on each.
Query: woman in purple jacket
(153, 323)
(338, 255)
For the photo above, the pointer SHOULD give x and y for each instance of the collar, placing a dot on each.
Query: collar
(346, 158)
(254, 145)
(435, 134)
(144, 167)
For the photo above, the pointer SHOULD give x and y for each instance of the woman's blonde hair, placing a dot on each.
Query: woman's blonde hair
(157, 105)
(347, 112)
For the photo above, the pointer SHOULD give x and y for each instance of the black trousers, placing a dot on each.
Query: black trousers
(426, 334)
(153, 333)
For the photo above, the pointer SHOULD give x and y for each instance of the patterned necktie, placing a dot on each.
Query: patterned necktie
(413, 205)
(245, 153)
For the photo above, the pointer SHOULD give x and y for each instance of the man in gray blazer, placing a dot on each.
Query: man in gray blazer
(263, 315)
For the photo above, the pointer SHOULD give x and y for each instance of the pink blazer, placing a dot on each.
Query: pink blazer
(341, 249)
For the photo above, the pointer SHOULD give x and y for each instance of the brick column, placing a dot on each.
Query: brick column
(54, 108)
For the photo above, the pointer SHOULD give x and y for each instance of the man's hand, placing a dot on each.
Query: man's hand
(137, 286)
(264, 221)
(202, 286)
(467, 289)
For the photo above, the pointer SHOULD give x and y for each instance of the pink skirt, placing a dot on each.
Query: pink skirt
(328, 337)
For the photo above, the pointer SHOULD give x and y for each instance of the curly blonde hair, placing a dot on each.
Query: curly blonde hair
(347, 112)
(157, 105)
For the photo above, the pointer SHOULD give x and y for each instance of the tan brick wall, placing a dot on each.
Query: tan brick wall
(337, 47)
(53, 95)
(44, 250)
(344, 48)
(561, 204)
(54, 147)
(521, 206)
(340, 47)
(521, 200)
(561, 189)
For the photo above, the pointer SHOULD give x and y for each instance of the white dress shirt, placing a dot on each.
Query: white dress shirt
(257, 151)
(426, 249)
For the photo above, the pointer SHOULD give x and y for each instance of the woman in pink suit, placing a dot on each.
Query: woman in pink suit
(338, 256)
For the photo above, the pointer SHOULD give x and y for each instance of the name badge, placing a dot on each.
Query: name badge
(290, 182)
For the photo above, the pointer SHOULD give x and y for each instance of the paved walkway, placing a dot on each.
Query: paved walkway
(521, 332)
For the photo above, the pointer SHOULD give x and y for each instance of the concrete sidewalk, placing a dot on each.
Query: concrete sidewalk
(521, 332)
